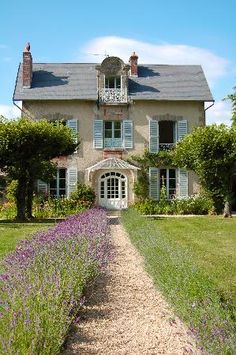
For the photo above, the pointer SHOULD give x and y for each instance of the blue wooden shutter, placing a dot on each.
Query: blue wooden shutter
(153, 136)
(128, 134)
(154, 183)
(183, 183)
(98, 134)
(72, 177)
(42, 186)
(182, 129)
(73, 125)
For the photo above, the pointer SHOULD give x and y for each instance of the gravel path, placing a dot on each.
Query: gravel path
(126, 314)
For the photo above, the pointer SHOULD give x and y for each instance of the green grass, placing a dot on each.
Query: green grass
(192, 261)
(12, 232)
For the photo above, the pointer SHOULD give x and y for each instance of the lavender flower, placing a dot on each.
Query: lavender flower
(43, 282)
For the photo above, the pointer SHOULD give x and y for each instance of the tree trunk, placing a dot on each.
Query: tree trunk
(29, 199)
(218, 204)
(227, 210)
(20, 198)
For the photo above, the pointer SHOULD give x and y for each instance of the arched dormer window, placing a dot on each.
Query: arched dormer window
(112, 81)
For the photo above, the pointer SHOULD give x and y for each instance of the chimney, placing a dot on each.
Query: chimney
(27, 67)
(133, 60)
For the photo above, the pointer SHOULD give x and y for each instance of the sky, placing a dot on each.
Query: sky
(160, 32)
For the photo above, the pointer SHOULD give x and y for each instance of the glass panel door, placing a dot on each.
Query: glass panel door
(113, 190)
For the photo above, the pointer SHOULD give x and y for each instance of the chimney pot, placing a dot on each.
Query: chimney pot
(133, 60)
(27, 67)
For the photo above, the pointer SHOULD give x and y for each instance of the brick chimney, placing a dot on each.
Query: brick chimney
(27, 67)
(133, 60)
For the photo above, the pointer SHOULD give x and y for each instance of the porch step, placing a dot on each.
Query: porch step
(116, 213)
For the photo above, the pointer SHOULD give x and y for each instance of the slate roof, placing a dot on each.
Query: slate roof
(78, 81)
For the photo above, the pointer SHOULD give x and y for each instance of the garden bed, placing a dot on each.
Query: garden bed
(44, 279)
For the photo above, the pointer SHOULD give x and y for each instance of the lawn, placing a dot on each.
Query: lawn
(193, 262)
(12, 232)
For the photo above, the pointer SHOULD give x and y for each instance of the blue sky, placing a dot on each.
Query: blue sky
(165, 32)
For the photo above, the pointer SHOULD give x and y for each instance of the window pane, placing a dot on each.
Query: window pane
(117, 134)
(108, 133)
(110, 82)
(53, 184)
(117, 125)
(118, 83)
(172, 184)
(172, 173)
(106, 83)
(62, 184)
(62, 173)
(108, 125)
(163, 173)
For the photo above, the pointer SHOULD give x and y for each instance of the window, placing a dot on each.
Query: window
(167, 132)
(164, 134)
(168, 179)
(112, 134)
(57, 186)
(113, 82)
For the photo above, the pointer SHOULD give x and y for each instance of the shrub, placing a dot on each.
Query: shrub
(44, 279)
(141, 186)
(46, 206)
(52, 207)
(84, 194)
(193, 205)
(11, 191)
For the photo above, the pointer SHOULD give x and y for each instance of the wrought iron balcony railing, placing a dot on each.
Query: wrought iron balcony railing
(113, 96)
(166, 146)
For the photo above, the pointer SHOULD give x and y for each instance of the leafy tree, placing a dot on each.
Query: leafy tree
(232, 97)
(211, 153)
(26, 148)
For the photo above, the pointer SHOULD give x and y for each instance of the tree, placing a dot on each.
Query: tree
(232, 97)
(211, 153)
(26, 148)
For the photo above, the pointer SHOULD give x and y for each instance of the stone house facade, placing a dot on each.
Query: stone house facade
(117, 110)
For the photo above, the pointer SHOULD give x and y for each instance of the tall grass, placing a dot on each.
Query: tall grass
(44, 280)
(188, 287)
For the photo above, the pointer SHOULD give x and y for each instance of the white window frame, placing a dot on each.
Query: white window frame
(106, 78)
(169, 197)
(113, 139)
(58, 179)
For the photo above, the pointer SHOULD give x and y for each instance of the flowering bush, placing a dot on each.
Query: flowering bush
(84, 194)
(192, 205)
(44, 279)
(53, 207)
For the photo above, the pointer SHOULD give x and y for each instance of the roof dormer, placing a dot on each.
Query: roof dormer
(113, 81)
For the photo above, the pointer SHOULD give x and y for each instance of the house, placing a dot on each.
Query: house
(117, 110)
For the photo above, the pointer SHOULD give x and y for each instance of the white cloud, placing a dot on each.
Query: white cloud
(214, 66)
(219, 113)
(9, 111)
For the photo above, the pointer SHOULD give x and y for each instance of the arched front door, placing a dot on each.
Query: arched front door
(113, 190)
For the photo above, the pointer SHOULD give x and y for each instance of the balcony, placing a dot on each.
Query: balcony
(113, 143)
(166, 146)
(113, 96)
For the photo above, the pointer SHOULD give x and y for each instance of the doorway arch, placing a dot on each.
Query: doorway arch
(113, 190)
